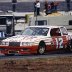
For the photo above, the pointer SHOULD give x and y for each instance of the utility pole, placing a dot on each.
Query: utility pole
(68, 4)
(14, 2)
(36, 15)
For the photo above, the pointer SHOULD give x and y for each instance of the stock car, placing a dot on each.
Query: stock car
(37, 39)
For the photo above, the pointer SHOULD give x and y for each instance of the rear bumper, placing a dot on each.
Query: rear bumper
(18, 50)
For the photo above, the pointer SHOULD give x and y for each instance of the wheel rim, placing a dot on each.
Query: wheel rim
(41, 50)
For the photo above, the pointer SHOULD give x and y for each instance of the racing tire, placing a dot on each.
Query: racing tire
(41, 49)
(69, 47)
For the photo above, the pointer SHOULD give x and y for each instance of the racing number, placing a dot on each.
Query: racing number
(59, 42)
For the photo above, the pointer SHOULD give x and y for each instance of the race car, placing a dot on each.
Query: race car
(37, 39)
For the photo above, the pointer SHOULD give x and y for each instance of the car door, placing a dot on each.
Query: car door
(65, 36)
(57, 39)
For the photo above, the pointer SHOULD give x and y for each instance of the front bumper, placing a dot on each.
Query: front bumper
(18, 49)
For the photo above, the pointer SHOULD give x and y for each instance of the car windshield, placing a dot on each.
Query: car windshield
(32, 31)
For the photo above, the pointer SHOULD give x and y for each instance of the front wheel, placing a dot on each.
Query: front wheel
(41, 49)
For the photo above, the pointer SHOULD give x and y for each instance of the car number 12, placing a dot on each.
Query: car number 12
(59, 42)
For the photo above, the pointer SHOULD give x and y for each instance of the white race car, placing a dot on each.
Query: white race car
(37, 39)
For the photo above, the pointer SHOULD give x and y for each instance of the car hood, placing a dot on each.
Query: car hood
(24, 38)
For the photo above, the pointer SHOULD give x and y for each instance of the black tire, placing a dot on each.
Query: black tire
(69, 47)
(42, 48)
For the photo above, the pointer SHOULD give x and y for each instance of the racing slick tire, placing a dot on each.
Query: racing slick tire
(41, 48)
(69, 47)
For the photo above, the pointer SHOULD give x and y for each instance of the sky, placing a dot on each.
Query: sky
(27, 0)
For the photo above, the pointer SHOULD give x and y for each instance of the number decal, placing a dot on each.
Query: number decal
(59, 42)
(56, 42)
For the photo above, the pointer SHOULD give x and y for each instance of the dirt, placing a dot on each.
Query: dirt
(53, 64)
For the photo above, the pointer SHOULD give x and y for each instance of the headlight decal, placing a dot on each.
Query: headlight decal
(28, 43)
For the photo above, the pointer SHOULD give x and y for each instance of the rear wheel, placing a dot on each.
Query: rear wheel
(41, 48)
(69, 47)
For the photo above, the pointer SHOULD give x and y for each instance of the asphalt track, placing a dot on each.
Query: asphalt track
(52, 54)
(27, 0)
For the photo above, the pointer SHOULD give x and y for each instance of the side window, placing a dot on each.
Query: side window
(55, 32)
(64, 31)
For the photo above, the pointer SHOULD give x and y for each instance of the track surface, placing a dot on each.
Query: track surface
(31, 56)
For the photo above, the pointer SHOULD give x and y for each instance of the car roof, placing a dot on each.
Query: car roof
(47, 26)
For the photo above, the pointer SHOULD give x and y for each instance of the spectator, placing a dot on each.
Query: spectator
(55, 6)
(46, 7)
(37, 7)
(49, 9)
(52, 6)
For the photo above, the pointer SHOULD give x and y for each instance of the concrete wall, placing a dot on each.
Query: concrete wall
(54, 20)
